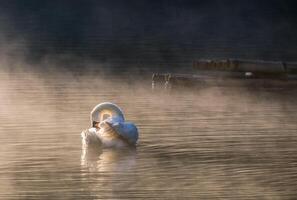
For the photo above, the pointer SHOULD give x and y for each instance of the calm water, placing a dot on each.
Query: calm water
(213, 143)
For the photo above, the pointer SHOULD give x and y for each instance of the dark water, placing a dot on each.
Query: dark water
(213, 143)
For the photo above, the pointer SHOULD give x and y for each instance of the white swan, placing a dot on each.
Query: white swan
(109, 127)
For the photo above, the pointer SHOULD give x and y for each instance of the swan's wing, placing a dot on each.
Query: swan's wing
(127, 130)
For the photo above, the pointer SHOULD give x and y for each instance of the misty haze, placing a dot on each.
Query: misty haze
(203, 134)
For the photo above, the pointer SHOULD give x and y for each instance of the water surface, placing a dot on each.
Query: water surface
(212, 143)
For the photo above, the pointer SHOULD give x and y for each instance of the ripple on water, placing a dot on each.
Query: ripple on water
(208, 144)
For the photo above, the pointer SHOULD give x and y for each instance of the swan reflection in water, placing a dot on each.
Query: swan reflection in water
(98, 159)
(107, 170)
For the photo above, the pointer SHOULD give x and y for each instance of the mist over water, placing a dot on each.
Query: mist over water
(59, 59)
(230, 143)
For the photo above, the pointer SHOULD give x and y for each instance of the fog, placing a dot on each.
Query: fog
(59, 59)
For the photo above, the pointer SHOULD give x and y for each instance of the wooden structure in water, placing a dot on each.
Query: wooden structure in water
(231, 73)
(263, 69)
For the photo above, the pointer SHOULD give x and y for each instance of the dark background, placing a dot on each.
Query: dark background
(149, 33)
